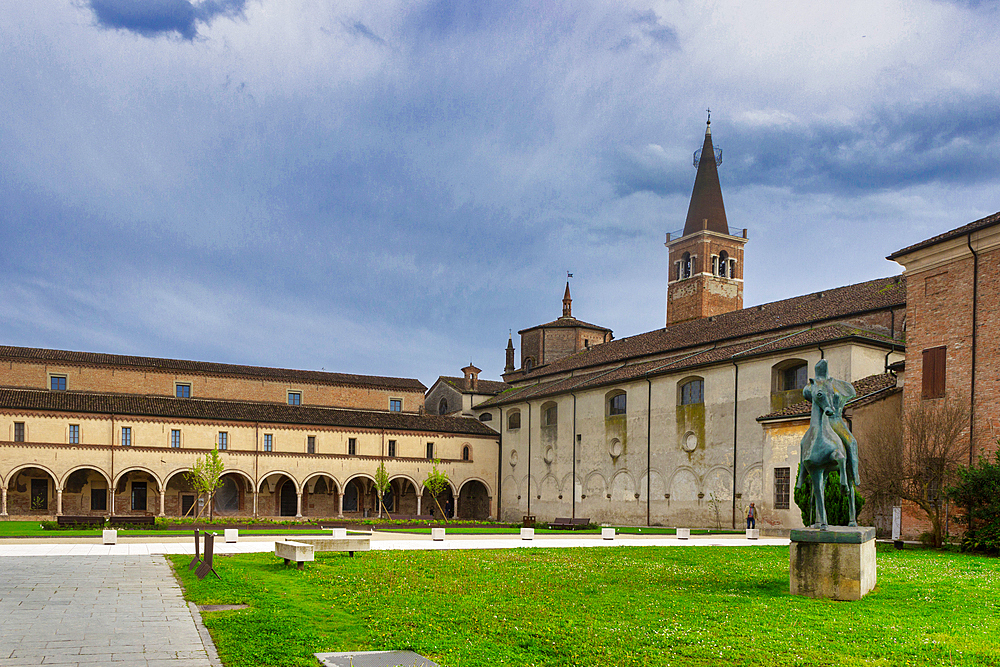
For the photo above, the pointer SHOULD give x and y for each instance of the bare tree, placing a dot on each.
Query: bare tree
(917, 460)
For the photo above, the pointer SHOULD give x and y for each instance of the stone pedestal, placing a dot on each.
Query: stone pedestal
(683, 533)
(527, 533)
(836, 563)
(607, 533)
(232, 534)
(753, 533)
(110, 536)
(437, 534)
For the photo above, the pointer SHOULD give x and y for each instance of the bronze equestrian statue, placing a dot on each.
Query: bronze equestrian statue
(828, 445)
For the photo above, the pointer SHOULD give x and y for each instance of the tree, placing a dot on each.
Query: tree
(978, 490)
(205, 477)
(836, 500)
(436, 482)
(918, 462)
(382, 486)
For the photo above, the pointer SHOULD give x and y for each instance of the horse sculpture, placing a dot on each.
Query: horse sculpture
(828, 445)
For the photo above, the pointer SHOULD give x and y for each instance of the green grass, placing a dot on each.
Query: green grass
(505, 530)
(34, 529)
(606, 606)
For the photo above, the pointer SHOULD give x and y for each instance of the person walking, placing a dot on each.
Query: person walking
(751, 516)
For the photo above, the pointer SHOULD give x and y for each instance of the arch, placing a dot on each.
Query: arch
(752, 484)
(241, 473)
(513, 419)
(486, 417)
(359, 475)
(482, 481)
(550, 414)
(595, 485)
(13, 473)
(723, 271)
(61, 484)
(685, 267)
(336, 483)
(443, 406)
(179, 471)
(684, 485)
(529, 363)
(409, 479)
(466, 452)
(120, 475)
(271, 473)
(691, 390)
(575, 483)
(615, 403)
(623, 486)
(657, 486)
(288, 498)
(474, 500)
(789, 375)
(549, 489)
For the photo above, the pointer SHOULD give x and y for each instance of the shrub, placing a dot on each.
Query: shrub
(978, 491)
(837, 513)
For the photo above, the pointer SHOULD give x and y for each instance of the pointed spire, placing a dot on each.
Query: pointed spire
(707, 210)
(509, 368)
(567, 303)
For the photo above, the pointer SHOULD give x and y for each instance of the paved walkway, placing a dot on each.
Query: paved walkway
(80, 602)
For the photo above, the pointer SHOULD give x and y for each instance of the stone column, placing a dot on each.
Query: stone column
(4, 512)
(418, 503)
(255, 493)
(454, 506)
(340, 504)
(163, 502)
(298, 504)
(58, 502)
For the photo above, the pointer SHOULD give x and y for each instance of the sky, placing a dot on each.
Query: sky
(390, 188)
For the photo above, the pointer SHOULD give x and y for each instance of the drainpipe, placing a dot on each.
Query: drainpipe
(256, 465)
(972, 382)
(528, 485)
(649, 448)
(573, 487)
(111, 491)
(500, 465)
(736, 412)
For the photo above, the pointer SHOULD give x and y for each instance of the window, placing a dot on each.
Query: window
(182, 390)
(139, 496)
(724, 265)
(693, 392)
(295, 398)
(126, 436)
(268, 442)
(617, 404)
(466, 453)
(99, 500)
(74, 434)
(175, 438)
(18, 431)
(430, 450)
(934, 366)
(311, 444)
(550, 414)
(794, 377)
(513, 420)
(781, 486)
(352, 446)
(443, 406)
(529, 363)
(57, 383)
(395, 405)
(685, 268)
(223, 440)
(392, 448)
(486, 417)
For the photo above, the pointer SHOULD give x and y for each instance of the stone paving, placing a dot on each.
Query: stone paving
(120, 611)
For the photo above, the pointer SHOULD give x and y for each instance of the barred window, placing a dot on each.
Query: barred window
(782, 477)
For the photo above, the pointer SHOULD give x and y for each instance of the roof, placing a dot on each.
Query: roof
(869, 389)
(175, 365)
(734, 351)
(482, 386)
(706, 196)
(242, 411)
(807, 310)
(565, 322)
(982, 223)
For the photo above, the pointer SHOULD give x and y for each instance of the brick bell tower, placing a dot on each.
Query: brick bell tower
(706, 260)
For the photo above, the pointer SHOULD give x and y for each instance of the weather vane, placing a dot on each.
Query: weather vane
(569, 275)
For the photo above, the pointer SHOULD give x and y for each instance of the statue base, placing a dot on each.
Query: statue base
(836, 563)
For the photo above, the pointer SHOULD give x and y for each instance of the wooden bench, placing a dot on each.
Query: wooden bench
(294, 551)
(144, 520)
(64, 520)
(566, 523)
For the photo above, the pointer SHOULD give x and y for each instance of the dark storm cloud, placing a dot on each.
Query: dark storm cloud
(152, 18)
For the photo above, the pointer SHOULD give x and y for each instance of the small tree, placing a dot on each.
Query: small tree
(716, 504)
(978, 490)
(436, 482)
(382, 486)
(837, 511)
(205, 477)
(918, 462)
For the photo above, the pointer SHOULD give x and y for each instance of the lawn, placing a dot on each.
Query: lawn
(604, 606)
(34, 529)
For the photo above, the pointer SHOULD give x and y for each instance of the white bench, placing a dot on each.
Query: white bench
(348, 544)
(294, 551)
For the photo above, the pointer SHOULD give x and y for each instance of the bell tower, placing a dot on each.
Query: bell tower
(706, 260)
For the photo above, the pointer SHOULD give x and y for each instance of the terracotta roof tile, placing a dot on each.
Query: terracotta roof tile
(210, 368)
(869, 389)
(810, 309)
(563, 322)
(982, 223)
(241, 411)
(482, 386)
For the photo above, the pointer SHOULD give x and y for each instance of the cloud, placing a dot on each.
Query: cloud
(152, 18)
(359, 29)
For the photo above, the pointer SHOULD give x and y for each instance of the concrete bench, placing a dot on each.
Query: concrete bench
(294, 551)
(348, 544)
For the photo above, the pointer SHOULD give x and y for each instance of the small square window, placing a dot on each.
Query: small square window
(392, 448)
(57, 383)
(395, 405)
(126, 436)
(430, 450)
(182, 390)
(223, 440)
(311, 444)
(352, 446)
(175, 438)
(268, 442)
(18, 431)
(295, 398)
(74, 434)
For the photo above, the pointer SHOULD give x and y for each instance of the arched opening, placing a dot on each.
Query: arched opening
(444, 499)
(724, 265)
(85, 493)
(617, 403)
(513, 420)
(685, 268)
(31, 492)
(404, 497)
(181, 499)
(136, 494)
(466, 453)
(288, 499)
(550, 414)
(691, 392)
(229, 497)
(474, 501)
(443, 406)
(486, 417)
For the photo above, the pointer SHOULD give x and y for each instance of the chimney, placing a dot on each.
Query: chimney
(471, 377)
(509, 368)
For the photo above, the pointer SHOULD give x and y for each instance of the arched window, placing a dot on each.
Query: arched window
(513, 420)
(466, 453)
(692, 392)
(529, 363)
(617, 404)
(443, 407)
(724, 264)
(550, 414)
(789, 375)
(686, 265)
(486, 417)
